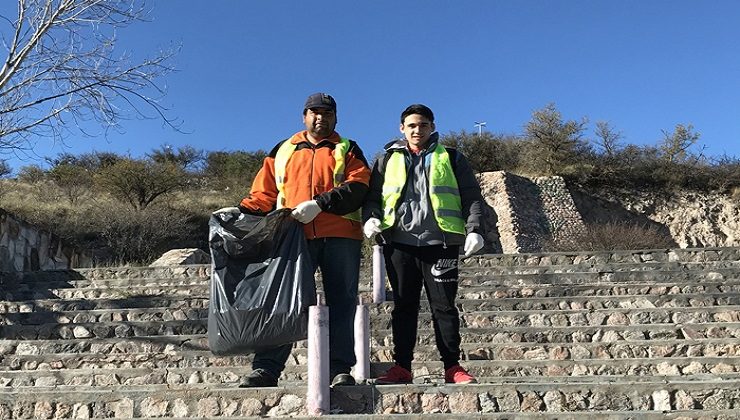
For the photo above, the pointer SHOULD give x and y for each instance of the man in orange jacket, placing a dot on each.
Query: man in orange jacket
(324, 178)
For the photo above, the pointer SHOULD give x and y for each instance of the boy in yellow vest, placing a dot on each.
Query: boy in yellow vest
(423, 204)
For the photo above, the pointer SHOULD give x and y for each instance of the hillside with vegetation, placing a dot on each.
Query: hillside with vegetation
(132, 209)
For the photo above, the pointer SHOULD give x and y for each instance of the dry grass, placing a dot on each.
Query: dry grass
(614, 236)
(117, 233)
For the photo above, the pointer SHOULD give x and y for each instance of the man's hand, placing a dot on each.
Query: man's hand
(228, 210)
(371, 227)
(306, 211)
(473, 243)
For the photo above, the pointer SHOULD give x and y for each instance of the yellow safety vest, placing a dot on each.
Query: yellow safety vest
(281, 161)
(443, 191)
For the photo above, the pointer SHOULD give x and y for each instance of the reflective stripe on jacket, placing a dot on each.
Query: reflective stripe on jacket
(285, 151)
(444, 194)
(309, 173)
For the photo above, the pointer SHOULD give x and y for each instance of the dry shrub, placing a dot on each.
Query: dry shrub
(114, 232)
(140, 236)
(735, 194)
(614, 236)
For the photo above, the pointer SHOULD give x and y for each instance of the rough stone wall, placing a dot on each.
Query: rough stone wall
(24, 247)
(563, 219)
(691, 219)
(496, 213)
(528, 212)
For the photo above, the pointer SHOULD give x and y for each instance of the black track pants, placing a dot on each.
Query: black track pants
(434, 267)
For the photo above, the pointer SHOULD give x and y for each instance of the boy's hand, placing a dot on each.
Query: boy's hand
(371, 227)
(473, 243)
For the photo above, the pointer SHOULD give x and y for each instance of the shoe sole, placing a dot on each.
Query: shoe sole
(257, 386)
(336, 385)
(377, 382)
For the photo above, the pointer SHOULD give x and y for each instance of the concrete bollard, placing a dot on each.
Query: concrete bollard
(317, 396)
(362, 342)
(378, 274)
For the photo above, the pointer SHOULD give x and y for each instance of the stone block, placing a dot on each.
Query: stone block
(153, 407)
(661, 400)
(435, 403)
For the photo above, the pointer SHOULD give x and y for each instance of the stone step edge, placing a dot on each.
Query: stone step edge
(147, 292)
(367, 289)
(296, 351)
(487, 362)
(376, 396)
(477, 364)
(611, 275)
(465, 272)
(181, 339)
(193, 389)
(460, 299)
(203, 272)
(505, 312)
(386, 331)
(507, 415)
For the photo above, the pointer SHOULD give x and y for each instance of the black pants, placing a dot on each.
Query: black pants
(434, 267)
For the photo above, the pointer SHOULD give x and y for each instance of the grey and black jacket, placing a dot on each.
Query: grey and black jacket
(415, 223)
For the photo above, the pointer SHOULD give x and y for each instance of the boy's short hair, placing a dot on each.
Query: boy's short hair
(420, 109)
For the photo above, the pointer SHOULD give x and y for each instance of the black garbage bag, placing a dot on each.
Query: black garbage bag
(262, 282)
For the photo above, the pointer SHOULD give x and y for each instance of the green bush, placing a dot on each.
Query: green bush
(486, 152)
(75, 181)
(140, 182)
(233, 170)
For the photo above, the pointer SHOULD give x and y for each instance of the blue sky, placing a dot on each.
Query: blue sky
(246, 68)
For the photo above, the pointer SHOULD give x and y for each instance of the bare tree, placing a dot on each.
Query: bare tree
(608, 138)
(62, 70)
(5, 169)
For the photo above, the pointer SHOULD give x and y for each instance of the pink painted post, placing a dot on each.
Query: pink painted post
(378, 274)
(317, 395)
(362, 342)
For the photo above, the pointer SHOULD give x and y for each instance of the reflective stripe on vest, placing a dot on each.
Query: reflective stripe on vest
(444, 193)
(281, 161)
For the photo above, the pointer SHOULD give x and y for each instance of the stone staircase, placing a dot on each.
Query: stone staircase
(647, 334)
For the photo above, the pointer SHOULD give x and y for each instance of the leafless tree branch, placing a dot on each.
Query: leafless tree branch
(61, 62)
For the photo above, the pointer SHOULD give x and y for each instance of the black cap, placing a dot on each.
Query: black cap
(320, 100)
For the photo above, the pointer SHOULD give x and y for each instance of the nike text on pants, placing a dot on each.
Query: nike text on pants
(434, 267)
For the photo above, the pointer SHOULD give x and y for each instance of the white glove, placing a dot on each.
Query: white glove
(371, 227)
(227, 210)
(306, 211)
(473, 243)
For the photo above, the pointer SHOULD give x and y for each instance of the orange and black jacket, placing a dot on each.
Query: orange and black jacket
(309, 176)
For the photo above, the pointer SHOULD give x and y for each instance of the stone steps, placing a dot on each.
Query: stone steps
(538, 299)
(204, 400)
(471, 276)
(626, 334)
(59, 305)
(477, 318)
(473, 323)
(52, 352)
(487, 371)
(491, 291)
(647, 256)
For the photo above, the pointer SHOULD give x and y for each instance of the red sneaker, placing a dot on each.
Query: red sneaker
(395, 375)
(458, 375)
